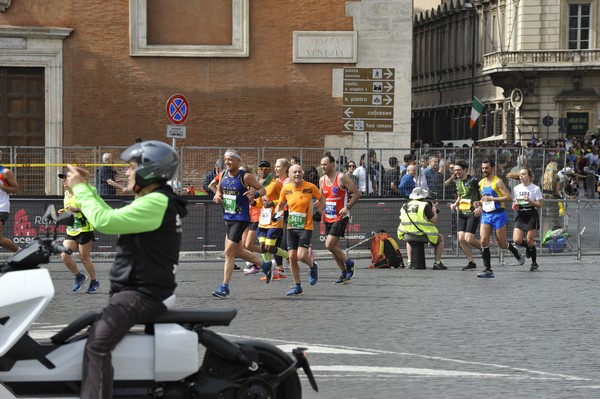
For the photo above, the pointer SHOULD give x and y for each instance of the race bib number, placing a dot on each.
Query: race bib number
(75, 228)
(229, 203)
(297, 220)
(265, 216)
(488, 206)
(464, 205)
(330, 210)
(523, 204)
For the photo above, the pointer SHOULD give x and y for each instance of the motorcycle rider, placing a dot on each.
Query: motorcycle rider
(142, 276)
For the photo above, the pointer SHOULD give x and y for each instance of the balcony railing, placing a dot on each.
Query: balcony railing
(546, 60)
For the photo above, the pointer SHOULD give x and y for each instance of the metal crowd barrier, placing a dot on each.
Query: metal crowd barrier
(204, 230)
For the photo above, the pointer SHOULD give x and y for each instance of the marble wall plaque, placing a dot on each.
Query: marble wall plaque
(325, 47)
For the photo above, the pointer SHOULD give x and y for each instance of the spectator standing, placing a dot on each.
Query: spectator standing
(107, 180)
(312, 175)
(571, 158)
(408, 181)
(350, 173)
(376, 170)
(210, 176)
(515, 171)
(551, 188)
(391, 178)
(591, 170)
(421, 178)
(407, 160)
(568, 183)
(365, 182)
(435, 180)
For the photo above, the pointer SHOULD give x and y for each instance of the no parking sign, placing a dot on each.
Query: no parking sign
(178, 109)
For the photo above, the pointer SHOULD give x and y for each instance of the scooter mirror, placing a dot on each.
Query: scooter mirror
(50, 213)
(65, 218)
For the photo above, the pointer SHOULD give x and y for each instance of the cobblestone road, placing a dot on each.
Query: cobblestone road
(407, 333)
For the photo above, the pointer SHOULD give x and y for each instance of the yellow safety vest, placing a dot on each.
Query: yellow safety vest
(415, 211)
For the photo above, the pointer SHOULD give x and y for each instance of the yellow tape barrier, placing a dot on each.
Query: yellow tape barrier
(41, 165)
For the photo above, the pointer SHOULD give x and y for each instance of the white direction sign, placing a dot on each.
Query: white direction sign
(176, 132)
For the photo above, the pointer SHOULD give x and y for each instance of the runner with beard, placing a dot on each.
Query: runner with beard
(494, 217)
(336, 187)
(469, 212)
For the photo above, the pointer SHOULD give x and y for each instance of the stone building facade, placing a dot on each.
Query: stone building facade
(535, 65)
(265, 73)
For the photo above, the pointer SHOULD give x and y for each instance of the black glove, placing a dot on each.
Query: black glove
(277, 216)
(317, 217)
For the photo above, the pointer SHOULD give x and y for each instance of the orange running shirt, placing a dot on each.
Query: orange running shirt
(299, 201)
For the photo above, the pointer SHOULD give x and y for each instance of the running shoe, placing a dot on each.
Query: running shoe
(439, 266)
(314, 274)
(80, 280)
(249, 266)
(487, 273)
(534, 267)
(252, 270)
(236, 267)
(277, 275)
(470, 266)
(349, 269)
(520, 259)
(222, 292)
(267, 269)
(342, 280)
(295, 291)
(409, 265)
(94, 287)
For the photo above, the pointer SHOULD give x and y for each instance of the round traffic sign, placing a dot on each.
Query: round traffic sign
(548, 120)
(563, 123)
(178, 109)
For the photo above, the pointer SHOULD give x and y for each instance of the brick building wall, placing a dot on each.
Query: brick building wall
(110, 97)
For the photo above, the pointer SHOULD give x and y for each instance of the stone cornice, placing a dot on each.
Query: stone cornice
(34, 32)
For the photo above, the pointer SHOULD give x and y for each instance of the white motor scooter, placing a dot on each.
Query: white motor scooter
(158, 361)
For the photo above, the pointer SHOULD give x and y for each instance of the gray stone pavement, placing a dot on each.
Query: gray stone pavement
(396, 333)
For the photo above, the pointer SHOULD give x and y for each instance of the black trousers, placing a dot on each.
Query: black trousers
(124, 310)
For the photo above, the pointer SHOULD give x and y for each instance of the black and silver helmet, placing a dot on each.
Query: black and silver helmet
(157, 162)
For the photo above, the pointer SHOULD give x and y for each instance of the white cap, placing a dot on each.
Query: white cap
(419, 193)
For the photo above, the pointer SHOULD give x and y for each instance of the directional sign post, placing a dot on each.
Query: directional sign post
(368, 102)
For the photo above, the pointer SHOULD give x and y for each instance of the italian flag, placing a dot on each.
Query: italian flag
(476, 110)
